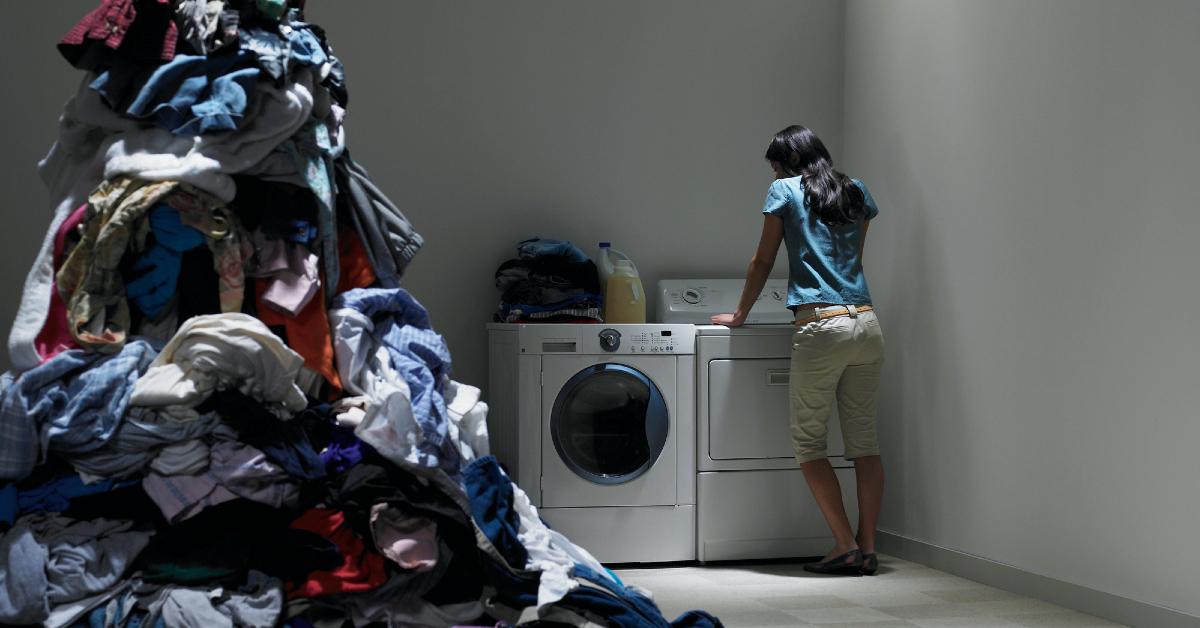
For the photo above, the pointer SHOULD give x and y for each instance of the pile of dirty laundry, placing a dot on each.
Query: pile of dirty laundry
(226, 410)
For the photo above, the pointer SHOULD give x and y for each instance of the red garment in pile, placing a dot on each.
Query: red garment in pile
(354, 268)
(110, 22)
(308, 333)
(55, 336)
(361, 569)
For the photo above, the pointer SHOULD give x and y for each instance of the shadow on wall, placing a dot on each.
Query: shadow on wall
(921, 369)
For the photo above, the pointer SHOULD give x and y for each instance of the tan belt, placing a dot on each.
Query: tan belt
(822, 313)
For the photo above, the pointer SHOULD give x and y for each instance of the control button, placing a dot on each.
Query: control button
(778, 296)
(610, 340)
(691, 296)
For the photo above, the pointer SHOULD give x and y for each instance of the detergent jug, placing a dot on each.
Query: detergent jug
(606, 259)
(624, 300)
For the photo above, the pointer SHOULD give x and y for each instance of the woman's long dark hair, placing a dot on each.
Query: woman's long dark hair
(834, 198)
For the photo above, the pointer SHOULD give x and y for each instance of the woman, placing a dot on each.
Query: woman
(837, 350)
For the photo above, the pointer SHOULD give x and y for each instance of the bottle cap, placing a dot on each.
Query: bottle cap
(605, 245)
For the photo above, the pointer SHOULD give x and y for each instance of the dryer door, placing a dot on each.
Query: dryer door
(608, 438)
(749, 414)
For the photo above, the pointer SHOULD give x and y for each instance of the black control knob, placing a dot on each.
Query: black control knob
(610, 340)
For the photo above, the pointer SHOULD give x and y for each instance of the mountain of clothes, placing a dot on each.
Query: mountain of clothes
(550, 281)
(226, 410)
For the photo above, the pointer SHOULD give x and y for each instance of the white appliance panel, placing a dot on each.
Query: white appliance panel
(749, 415)
(695, 301)
(642, 534)
(763, 514)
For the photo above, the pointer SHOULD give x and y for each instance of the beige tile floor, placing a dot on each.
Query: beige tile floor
(754, 594)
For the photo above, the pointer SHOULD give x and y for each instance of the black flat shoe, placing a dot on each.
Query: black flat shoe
(848, 564)
(870, 564)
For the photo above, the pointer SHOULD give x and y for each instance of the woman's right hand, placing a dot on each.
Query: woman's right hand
(728, 320)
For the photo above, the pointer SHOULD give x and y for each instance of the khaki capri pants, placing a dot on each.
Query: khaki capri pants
(835, 358)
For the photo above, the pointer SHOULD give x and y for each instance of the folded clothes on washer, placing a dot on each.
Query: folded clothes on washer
(584, 307)
(550, 281)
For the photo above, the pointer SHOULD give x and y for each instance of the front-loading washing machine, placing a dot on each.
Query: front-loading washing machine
(597, 424)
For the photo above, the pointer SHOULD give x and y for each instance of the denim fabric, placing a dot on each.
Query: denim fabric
(279, 53)
(53, 496)
(538, 247)
(420, 357)
(191, 95)
(386, 233)
(73, 404)
(490, 492)
(298, 45)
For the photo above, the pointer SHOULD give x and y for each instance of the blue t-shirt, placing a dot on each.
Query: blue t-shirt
(825, 265)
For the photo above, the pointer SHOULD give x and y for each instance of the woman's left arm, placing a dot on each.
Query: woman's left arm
(756, 274)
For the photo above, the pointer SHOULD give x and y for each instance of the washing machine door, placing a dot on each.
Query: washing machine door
(609, 424)
(608, 437)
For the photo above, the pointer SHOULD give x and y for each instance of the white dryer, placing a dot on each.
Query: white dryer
(752, 500)
(597, 424)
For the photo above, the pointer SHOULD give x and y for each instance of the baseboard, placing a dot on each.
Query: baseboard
(1106, 605)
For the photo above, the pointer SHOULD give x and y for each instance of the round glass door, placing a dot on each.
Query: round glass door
(609, 423)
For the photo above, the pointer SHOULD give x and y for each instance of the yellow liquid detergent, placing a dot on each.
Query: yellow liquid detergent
(625, 300)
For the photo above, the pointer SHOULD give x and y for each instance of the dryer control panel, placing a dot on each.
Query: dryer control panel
(697, 300)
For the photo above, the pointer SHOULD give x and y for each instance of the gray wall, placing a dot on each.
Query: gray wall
(642, 123)
(1036, 268)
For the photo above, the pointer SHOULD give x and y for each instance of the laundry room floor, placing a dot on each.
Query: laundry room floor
(747, 595)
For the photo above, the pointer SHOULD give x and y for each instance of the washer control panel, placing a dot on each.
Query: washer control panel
(653, 341)
(611, 339)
